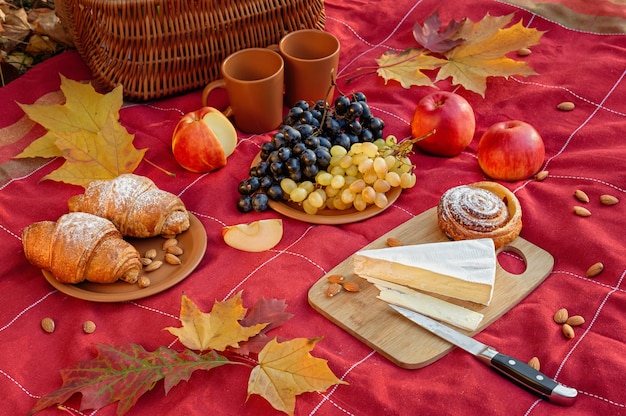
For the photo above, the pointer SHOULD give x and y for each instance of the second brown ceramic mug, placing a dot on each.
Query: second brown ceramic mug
(311, 59)
(254, 82)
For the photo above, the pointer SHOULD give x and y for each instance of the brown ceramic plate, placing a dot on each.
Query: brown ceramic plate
(193, 242)
(330, 216)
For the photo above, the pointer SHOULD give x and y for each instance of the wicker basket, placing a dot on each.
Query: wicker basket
(157, 48)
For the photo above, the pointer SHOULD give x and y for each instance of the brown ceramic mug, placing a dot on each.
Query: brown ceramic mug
(254, 82)
(311, 59)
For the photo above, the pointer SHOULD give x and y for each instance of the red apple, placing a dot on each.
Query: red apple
(452, 119)
(511, 151)
(203, 139)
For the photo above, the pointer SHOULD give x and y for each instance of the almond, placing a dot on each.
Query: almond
(153, 266)
(566, 106)
(145, 261)
(143, 282)
(534, 363)
(352, 286)
(150, 254)
(560, 317)
(608, 200)
(581, 212)
(541, 175)
(89, 327)
(47, 324)
(568, 331)
(336, 278)
(575, 320)
(175, 250)
(523, 52)
(333, 289)
(581, 196)
(170, 242)
(595, 269)
(172, 259)
(394, 242)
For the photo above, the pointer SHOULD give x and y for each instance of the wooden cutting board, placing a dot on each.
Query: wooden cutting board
(373, 322)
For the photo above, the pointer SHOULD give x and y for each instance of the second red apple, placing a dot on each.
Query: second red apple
(450, 116)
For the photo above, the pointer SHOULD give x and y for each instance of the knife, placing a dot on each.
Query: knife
(511, 368)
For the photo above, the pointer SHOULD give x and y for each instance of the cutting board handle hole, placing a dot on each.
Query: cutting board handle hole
(512, 260)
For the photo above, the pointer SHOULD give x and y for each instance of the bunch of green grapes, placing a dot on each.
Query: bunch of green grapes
(357, 177)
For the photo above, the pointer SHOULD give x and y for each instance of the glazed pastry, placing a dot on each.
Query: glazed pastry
(136, 206)
(480, 210)
(80, 247)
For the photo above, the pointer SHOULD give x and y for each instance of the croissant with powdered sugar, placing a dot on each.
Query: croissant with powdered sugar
(79, 247)
(136, 206)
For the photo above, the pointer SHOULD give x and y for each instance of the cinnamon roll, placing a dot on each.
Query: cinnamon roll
(480, 210)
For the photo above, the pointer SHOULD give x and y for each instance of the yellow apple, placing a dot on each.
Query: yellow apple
(255, 236)
(203, 139)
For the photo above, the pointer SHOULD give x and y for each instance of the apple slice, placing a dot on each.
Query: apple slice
(255, 236)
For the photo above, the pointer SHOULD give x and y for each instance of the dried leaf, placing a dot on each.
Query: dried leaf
(86, 131)
(406, 67)
(483, 53)
(431, 37)
(288, 369)
(264, 310)
(124, 373)
(216, 330)
(478, 51)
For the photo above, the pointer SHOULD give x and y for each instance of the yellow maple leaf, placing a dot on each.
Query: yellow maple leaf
(288, 369)
(87, 132)
(406, 67)
(483, 53)
(216, 330)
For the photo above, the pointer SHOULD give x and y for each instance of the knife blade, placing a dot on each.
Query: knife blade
(511, 368)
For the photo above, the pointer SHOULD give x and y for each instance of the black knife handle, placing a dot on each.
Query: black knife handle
(534, 381)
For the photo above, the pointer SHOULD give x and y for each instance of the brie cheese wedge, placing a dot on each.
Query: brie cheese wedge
(464, 269)
(427, 305)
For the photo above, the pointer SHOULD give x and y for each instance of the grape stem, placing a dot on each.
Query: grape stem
(406, 146)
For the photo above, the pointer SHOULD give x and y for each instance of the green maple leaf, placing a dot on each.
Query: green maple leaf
(124, 374)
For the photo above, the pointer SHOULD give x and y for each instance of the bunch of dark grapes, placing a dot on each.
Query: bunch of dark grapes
(301, 146)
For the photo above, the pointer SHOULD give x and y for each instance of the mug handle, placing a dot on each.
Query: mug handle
(210, 87)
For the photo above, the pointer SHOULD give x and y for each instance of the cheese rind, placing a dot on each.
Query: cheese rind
(428, 305)
(464, 269)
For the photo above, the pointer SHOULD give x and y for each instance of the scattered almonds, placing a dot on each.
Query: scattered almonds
(333, 289)
(47, 324)
(566, 106)
(172, 259)
(541, 175)
(608, 200)
(581, 212)
(394, 242)
(575, 320)
(534, 363)
(170, 242)
(595, 269)
(143, 282)
(581, 196)
(568, 331)
(153, 266)
(89, 327)
(336, 278)
(352, 286)
(523, 52)
(560, 317)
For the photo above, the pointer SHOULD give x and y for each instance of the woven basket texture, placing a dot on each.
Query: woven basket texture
(158, 48)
